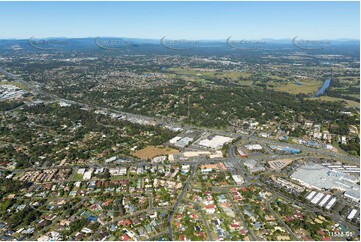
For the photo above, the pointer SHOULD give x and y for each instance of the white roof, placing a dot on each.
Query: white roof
(175, 139)
(331, 203)
(324, 200)
(216, 142)
(352, 214)
(317, 198)
(253, 147)
(81, 171)
(311, 195)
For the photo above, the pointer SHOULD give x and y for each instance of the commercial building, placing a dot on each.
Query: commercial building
(253, 147)
(238, 179)
(216, 142)
(241, 153)
(122, 171)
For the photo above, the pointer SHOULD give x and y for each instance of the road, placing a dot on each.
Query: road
(150, 200)
(180, 197)
(200, 210)
(240, 215)
(268, 203)
(247, 180)
(236, 163)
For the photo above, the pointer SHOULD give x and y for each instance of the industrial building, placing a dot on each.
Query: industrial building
(324, 200)
(331, 203)
(317, 198)
(352, 214)
(311, 195)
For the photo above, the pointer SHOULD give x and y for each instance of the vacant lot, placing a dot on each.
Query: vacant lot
(151, 152)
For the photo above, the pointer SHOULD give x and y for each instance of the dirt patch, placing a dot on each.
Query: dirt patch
(152, 151)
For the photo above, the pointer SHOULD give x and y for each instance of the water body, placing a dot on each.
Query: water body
(297, 83)
(325, 85)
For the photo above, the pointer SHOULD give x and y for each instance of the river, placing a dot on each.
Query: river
(325, 85)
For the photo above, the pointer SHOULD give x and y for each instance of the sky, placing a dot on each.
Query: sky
(181, 20)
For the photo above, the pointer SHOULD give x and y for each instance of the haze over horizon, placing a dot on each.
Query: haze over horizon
(157, 39)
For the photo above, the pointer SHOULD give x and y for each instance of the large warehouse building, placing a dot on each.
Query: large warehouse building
(320, 177)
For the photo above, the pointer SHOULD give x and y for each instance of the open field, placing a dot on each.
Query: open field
(306, 87)
(278, 78)
(151, 152)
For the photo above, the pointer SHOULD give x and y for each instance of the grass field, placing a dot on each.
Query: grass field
(151, 152)
(306, 87)
(118, 177)
(78, 177)
(335, 99)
